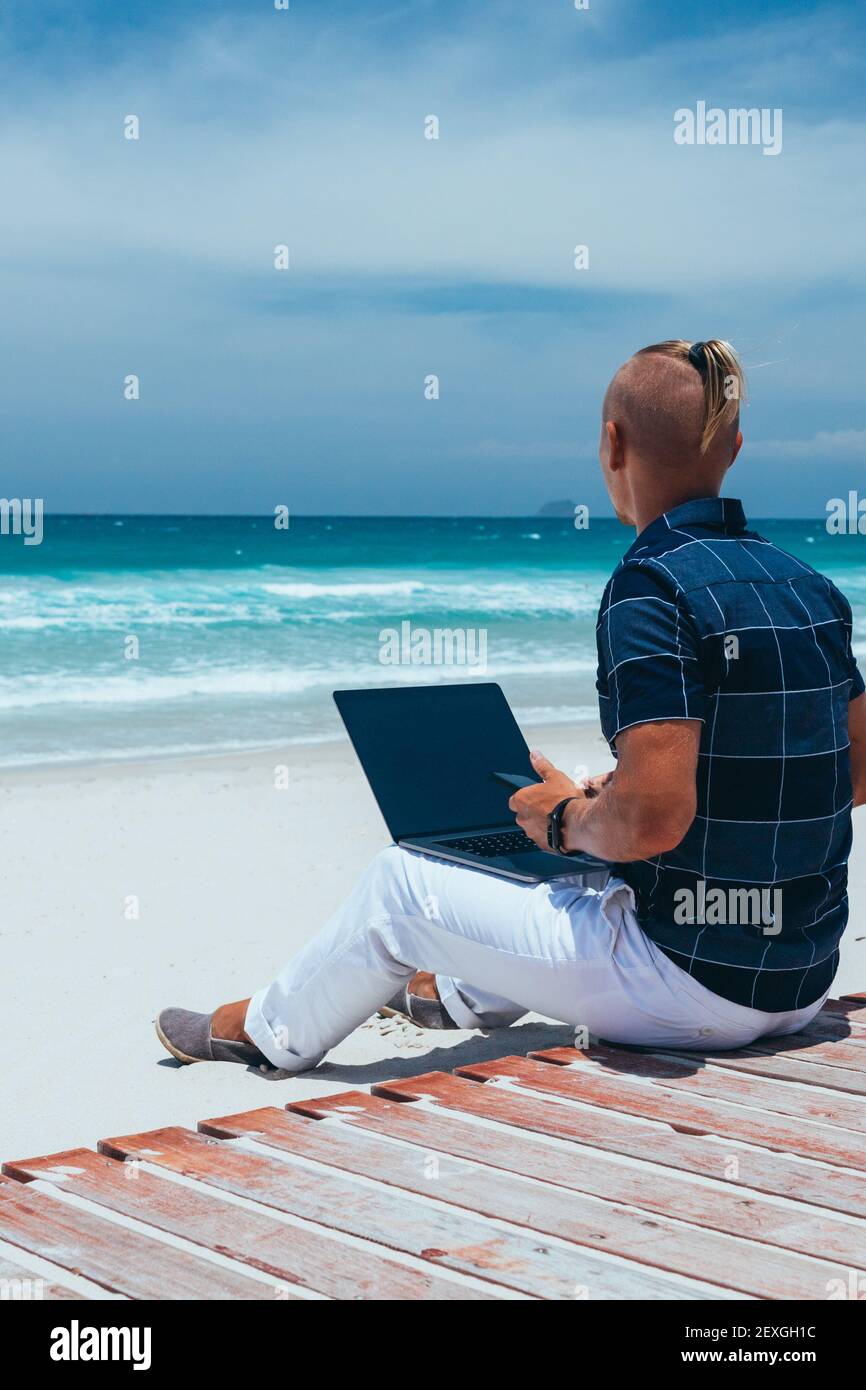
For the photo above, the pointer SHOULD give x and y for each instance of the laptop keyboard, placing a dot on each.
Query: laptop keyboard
(491, 846)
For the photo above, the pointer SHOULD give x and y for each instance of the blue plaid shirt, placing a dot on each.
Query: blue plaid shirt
(703, 619)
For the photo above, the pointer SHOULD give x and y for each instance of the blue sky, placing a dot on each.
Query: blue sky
(412, 257)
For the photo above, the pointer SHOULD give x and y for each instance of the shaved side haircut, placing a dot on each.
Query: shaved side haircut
(677, 400)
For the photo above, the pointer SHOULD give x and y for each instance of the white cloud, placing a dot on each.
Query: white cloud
(237, 154)
(156, 256)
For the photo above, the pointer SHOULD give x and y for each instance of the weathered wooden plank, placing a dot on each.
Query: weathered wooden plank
(844, 1012)
(292, 1254)
(653, 1242)
(680, 1073)
(839, 1018)
(453, 1241)
(780, 1067)
(687, 1114)
(845, 1009)
(848, 1054)
(18, 1283)
(654, 1190)
(851, 1007)
(838, 1189)
(825, 1027)
(118, 1259)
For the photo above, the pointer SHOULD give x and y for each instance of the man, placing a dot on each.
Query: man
(730, 696)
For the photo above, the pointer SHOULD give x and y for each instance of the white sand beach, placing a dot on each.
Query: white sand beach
(231, 875)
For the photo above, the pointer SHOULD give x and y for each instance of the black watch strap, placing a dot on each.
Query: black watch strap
(554, 826)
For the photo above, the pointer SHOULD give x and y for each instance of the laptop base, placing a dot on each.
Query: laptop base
(529, 866)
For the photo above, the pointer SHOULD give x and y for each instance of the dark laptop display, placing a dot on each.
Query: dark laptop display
(429, 753)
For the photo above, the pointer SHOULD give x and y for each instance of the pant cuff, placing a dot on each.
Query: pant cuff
(257, 1027)
(454, 1004)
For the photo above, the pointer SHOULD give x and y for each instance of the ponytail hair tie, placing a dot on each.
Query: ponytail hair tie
(697, 357)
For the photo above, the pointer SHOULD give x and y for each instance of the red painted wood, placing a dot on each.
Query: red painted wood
(845, 1011)
(118, 1259)
(839, 1018)
(848, 1008)
(848, 1054)
(290, 1253)
(452, 1240)
(835, 1188)
(655, 1243)
(17, 1282)
(680, 1073)
(657, 1191)
(825, 1027)
(781, 1067)
(844, 1002)
(687, 1114)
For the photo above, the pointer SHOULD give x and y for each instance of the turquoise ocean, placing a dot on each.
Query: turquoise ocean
(242, 631)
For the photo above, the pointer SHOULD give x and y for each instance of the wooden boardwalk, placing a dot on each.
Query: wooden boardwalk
(604, 1174)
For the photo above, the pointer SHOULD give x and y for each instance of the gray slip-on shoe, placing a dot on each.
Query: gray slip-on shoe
(426, 1013)
(187, 1036)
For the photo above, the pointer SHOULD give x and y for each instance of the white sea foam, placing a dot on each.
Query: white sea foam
(247, 657)
(371, 589)
(188, 599)
(141, 687)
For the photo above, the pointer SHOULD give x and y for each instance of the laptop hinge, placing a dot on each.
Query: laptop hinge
(459, 830)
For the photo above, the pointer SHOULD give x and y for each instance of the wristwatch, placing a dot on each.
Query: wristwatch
(554, 828)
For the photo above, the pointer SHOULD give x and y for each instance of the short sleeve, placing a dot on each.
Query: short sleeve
(844, 608)
(649, 652)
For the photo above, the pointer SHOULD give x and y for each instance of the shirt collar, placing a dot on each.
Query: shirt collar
(723, 514)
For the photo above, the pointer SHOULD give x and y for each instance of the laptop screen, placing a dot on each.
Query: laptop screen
(428, 752)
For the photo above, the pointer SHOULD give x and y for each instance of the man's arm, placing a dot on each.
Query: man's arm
(645, 808)
(857, 738)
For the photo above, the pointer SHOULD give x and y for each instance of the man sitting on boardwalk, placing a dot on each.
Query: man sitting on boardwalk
(730, 696)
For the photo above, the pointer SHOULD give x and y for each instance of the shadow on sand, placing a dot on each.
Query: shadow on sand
(535, 1036)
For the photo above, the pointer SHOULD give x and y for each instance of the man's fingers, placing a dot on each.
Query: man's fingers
(523, 802)
(543, 766)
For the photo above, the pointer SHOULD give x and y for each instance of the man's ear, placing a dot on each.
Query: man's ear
(614, 446)
(738, 444)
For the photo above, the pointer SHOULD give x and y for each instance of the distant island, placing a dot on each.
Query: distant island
(561, 507)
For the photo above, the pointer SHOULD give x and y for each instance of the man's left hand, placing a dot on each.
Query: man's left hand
(533, 805)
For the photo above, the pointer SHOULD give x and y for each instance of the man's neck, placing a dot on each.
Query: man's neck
(647, 510)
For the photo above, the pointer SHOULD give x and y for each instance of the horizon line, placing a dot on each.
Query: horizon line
(375, 516)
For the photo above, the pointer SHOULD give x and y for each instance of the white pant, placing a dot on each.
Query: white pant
(571, 953)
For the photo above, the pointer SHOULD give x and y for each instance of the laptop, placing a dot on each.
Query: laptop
(430, 753)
